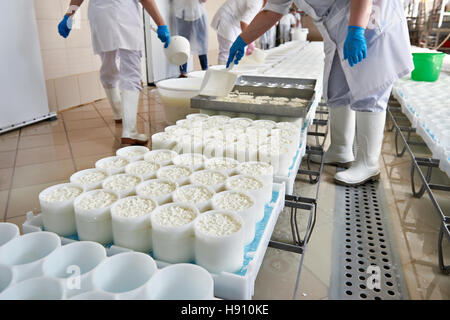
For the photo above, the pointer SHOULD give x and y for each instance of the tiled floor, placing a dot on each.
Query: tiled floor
(47, 153)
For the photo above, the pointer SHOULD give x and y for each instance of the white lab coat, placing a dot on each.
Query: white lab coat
(116, 25)
(189, 10)
(388, 47)
(192, 24)
(227, 19)
(288, 20)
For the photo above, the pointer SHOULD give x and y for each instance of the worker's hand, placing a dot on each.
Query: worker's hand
(355, 47)
(236, 51)
(164, 35)
(250, 49)
(65, 26)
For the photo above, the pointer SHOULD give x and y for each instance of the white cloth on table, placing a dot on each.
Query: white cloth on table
(129, 73)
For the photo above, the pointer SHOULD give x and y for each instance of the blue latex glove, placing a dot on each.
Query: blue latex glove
(355, 47)
(164, 35)
(65, 26)
(237, 51)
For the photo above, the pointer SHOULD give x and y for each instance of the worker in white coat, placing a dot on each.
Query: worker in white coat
(367, 49)
(287, 23)
(192, 24)
(230, 20)
(117, 34)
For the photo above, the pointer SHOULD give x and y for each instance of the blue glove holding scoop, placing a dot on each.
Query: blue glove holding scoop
(237, 51)
(164, 35)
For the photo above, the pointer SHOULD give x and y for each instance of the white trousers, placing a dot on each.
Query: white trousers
(285, 30)
(224, 49)
(339, 92)
(128, 76)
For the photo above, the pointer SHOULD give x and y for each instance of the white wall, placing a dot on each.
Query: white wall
(70, 66)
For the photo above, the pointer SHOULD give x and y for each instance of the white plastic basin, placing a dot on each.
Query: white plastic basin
(176, 95)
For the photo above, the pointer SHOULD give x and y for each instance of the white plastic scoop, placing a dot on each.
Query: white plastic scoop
(178, 50)
(218, 83)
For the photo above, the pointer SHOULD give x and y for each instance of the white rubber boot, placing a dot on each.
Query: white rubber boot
(342, 134)
(130, 102)
(113, 95)
(369, 139)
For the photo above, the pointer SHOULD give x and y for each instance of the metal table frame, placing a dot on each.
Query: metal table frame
(426, 186)
(296, 203)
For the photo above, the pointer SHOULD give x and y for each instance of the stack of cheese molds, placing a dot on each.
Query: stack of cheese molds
(158, 202)
(281, 144)
(426, 106)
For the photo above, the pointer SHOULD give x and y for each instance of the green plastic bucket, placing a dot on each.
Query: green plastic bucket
(427, 66)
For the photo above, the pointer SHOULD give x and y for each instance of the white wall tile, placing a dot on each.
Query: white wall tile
(80, 38)
(55, 63)
(48, 35)
(88, 85)
(48, 10)
(79, 60)
(67, 92)
(51, 95)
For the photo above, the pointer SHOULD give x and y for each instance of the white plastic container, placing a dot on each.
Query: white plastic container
(8, 231)
(93, 215)
(227, 201)
(182, 281)
(131, 223)
(178, 174)
(122, 184)
(241, 122)
(94, 295)
(72, 265)
(214, 179)
(42, 288)
(266, 124)
(160, 190)
(125, 275)
(162, 157)
(57, 208)
(163, 140)
(173, 239)
(261, 170)
(254, 187)
(132, 153)
(242, 151)
(226, 165)
(6, 277)
(201, 116)
(197, 195)
(279, 156)
(176, 96)
(215, 148)
(216, 249)
(300, 34)
(89, 179)
(25, 254)
(143, 169)
(112, 165)
(194, 161)
(189, 144)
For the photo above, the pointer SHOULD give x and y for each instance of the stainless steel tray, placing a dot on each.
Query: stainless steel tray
(276, 82)
(210, 103)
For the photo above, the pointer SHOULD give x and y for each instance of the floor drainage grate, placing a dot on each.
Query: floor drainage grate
(366, 264)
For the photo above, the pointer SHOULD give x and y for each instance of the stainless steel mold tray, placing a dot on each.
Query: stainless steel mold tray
(276, 82)
(211, 103)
